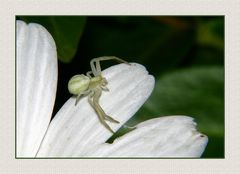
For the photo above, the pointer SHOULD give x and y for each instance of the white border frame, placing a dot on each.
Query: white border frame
(228, 8)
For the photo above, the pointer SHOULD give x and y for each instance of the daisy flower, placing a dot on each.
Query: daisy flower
(75, 130)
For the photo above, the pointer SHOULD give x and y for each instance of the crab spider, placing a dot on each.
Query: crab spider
(92, 86)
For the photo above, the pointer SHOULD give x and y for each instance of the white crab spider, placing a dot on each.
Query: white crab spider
(86, 85)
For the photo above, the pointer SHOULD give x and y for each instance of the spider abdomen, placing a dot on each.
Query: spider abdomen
(78, 84)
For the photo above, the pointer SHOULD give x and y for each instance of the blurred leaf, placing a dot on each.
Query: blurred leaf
(208, 56)
(196, 92)
(138, 39)
(66, 31)
(211, 32)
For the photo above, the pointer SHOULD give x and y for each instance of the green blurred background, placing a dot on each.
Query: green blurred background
(184, 53)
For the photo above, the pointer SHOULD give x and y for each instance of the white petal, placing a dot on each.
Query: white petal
(77, 128)
(172, 136)
(36, 85)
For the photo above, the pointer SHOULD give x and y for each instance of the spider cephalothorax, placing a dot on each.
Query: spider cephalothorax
(92, 86)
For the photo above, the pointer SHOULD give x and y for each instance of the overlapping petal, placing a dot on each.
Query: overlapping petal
(171, 136)
(36, 85)
(75, 129)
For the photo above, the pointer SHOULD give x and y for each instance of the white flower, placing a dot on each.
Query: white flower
(76, 131)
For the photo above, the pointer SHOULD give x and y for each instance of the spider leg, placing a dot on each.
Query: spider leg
(102, 115)
(96, 97)
(78, 98)
(94, 102)
(99, 113)
(102, 118)
(80, 95)
(89, 74)
(96, 69)
(105, 116)
(110, 119)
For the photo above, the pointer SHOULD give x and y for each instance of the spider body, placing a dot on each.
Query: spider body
(92, 86)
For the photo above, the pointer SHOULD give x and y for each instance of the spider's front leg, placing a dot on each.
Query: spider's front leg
(93, 99)
(96, 69)
(89, 74)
